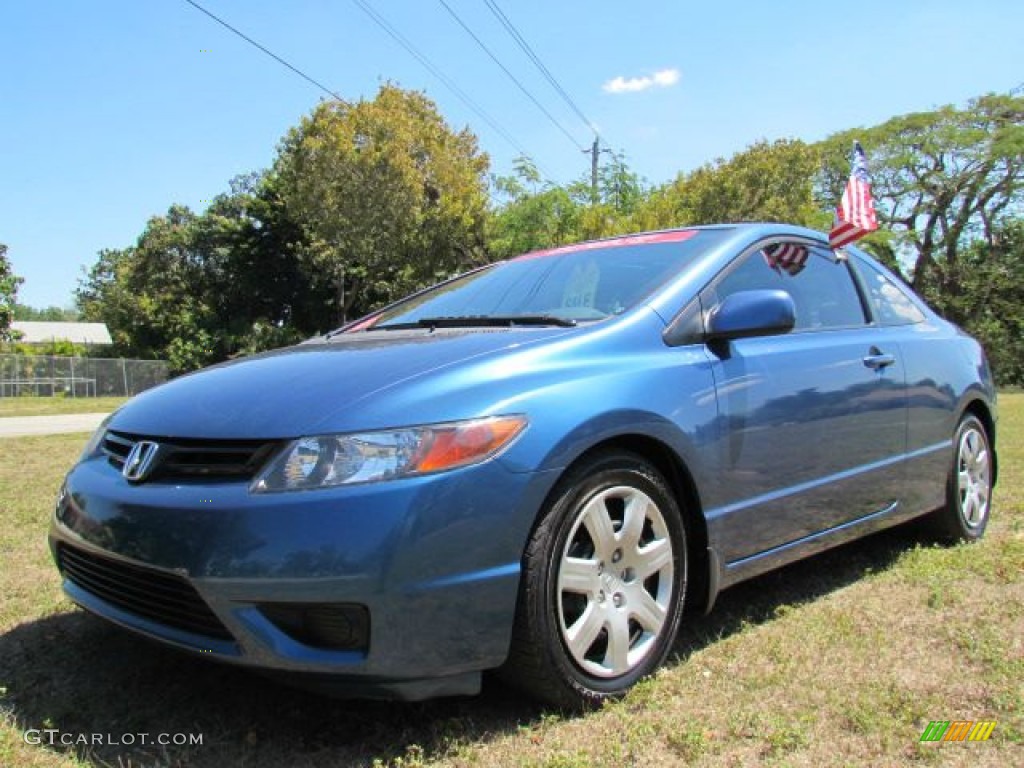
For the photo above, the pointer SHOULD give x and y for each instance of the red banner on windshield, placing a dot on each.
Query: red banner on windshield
(677, 236)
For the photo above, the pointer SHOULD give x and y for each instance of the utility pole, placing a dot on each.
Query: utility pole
(594, 151)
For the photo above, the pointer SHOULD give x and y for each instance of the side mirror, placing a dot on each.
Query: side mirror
(751, 313)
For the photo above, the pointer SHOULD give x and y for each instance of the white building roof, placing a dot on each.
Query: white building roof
(77, 333)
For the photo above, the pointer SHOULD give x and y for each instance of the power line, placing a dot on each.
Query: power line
(595, 149)
(447, 81)
(512, 77)
(525, 46)
(269, 53)
(397, 36)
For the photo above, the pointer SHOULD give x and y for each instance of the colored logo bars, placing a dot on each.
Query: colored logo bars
(958, 730)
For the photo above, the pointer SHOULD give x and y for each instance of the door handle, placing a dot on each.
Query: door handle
(877, 360)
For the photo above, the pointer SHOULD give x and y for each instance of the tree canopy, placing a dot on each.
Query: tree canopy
(199, 288)
(364, 203)
(9, 283)
(768, 181)
(941, 180)
(388, 195)
(51, 313)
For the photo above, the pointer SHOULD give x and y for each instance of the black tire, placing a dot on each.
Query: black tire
(965, 514)
(626, 583)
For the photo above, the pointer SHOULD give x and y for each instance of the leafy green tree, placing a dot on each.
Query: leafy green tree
(153, 296)
(9, 283)
(389, 196)
(535, 215)
(768, 181)
(990, 302)
(260, 289)
(541, 215)
(621, 188)
(197, 289)
(58, 348)
(51, 313)
(941, 180)
(104, 296)
(542, 220)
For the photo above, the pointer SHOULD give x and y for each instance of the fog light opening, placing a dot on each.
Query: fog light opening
(327, 626)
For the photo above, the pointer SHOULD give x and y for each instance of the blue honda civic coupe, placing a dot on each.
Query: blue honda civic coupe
(533, 467)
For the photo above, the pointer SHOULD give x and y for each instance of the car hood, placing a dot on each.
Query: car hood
(304, 390)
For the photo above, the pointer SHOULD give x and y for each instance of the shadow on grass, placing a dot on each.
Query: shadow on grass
(77, 674)
(758, 600)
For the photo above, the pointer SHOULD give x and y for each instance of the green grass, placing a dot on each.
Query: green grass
(840, 660)
(45, 406)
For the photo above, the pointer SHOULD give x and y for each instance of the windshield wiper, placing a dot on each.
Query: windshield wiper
(480, 321)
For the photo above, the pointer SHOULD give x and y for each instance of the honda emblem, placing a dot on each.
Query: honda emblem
(140, 461)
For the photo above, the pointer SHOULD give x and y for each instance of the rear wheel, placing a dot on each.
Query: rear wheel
(602, 585)
(969, 485)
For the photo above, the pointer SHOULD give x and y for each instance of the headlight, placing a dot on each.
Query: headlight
(92, 448)
(325, 461)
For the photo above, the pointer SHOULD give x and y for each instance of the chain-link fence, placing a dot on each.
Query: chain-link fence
(47, 376)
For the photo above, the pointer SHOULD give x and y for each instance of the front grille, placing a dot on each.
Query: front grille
(161, 597)
(181, 459)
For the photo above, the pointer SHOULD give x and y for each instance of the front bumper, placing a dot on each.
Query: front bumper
(433, 562)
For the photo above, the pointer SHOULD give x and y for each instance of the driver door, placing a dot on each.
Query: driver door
(812, 423)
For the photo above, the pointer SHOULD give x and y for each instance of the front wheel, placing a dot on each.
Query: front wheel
(602, 587)
(969, 485)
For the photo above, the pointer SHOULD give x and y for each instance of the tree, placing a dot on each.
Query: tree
(941, 180)
(621, 188)
(154, 296)
(9, 283)
(263, 294)
(52, 313)
(536, 215)
(196, 289)
(389, 196)
(541, 215)
(990, 302)
(768, 181)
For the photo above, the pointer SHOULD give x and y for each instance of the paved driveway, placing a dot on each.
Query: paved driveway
(20, 426)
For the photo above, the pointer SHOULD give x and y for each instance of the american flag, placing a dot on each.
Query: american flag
(855, 216)
(788, 257)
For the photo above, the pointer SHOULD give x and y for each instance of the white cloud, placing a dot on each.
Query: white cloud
(661, 79)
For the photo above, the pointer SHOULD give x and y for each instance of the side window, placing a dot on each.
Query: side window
(751, 274)
(891, 304)
(822, 288)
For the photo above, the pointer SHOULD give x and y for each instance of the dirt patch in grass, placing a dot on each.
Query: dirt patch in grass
(839, 660)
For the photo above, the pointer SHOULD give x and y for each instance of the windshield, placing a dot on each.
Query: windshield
(561, 286)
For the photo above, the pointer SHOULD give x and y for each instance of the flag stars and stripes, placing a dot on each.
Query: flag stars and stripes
(855, 216)
(789, 257)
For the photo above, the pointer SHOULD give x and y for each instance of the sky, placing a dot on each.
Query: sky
(113, 110)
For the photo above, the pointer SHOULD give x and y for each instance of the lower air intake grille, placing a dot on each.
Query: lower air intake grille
(150, 594)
